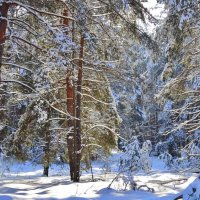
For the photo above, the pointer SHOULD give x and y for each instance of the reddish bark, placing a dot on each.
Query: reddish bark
(65, 21)
(3, 25)
(74, 173)
(74, 110)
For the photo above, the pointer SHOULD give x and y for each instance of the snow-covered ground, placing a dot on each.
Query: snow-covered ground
(24, 181)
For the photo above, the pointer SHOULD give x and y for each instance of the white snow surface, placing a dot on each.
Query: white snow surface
(24, 181)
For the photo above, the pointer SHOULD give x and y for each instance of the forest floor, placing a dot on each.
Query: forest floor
(24, 181)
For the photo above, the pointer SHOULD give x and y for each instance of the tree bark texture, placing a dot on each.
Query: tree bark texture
(78, 108)
(70, 125)
(3, 25)
(73, 96)
(70, 97)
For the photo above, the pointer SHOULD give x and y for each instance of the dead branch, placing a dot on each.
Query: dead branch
(168, 181)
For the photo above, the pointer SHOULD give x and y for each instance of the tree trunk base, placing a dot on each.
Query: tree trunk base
(46, 171)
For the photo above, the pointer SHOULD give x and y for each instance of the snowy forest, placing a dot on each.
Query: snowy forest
(99, 99)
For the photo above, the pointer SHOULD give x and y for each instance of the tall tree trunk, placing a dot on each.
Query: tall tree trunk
(3, 25)
(78, 111)
(74, 110)
(70, 96)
